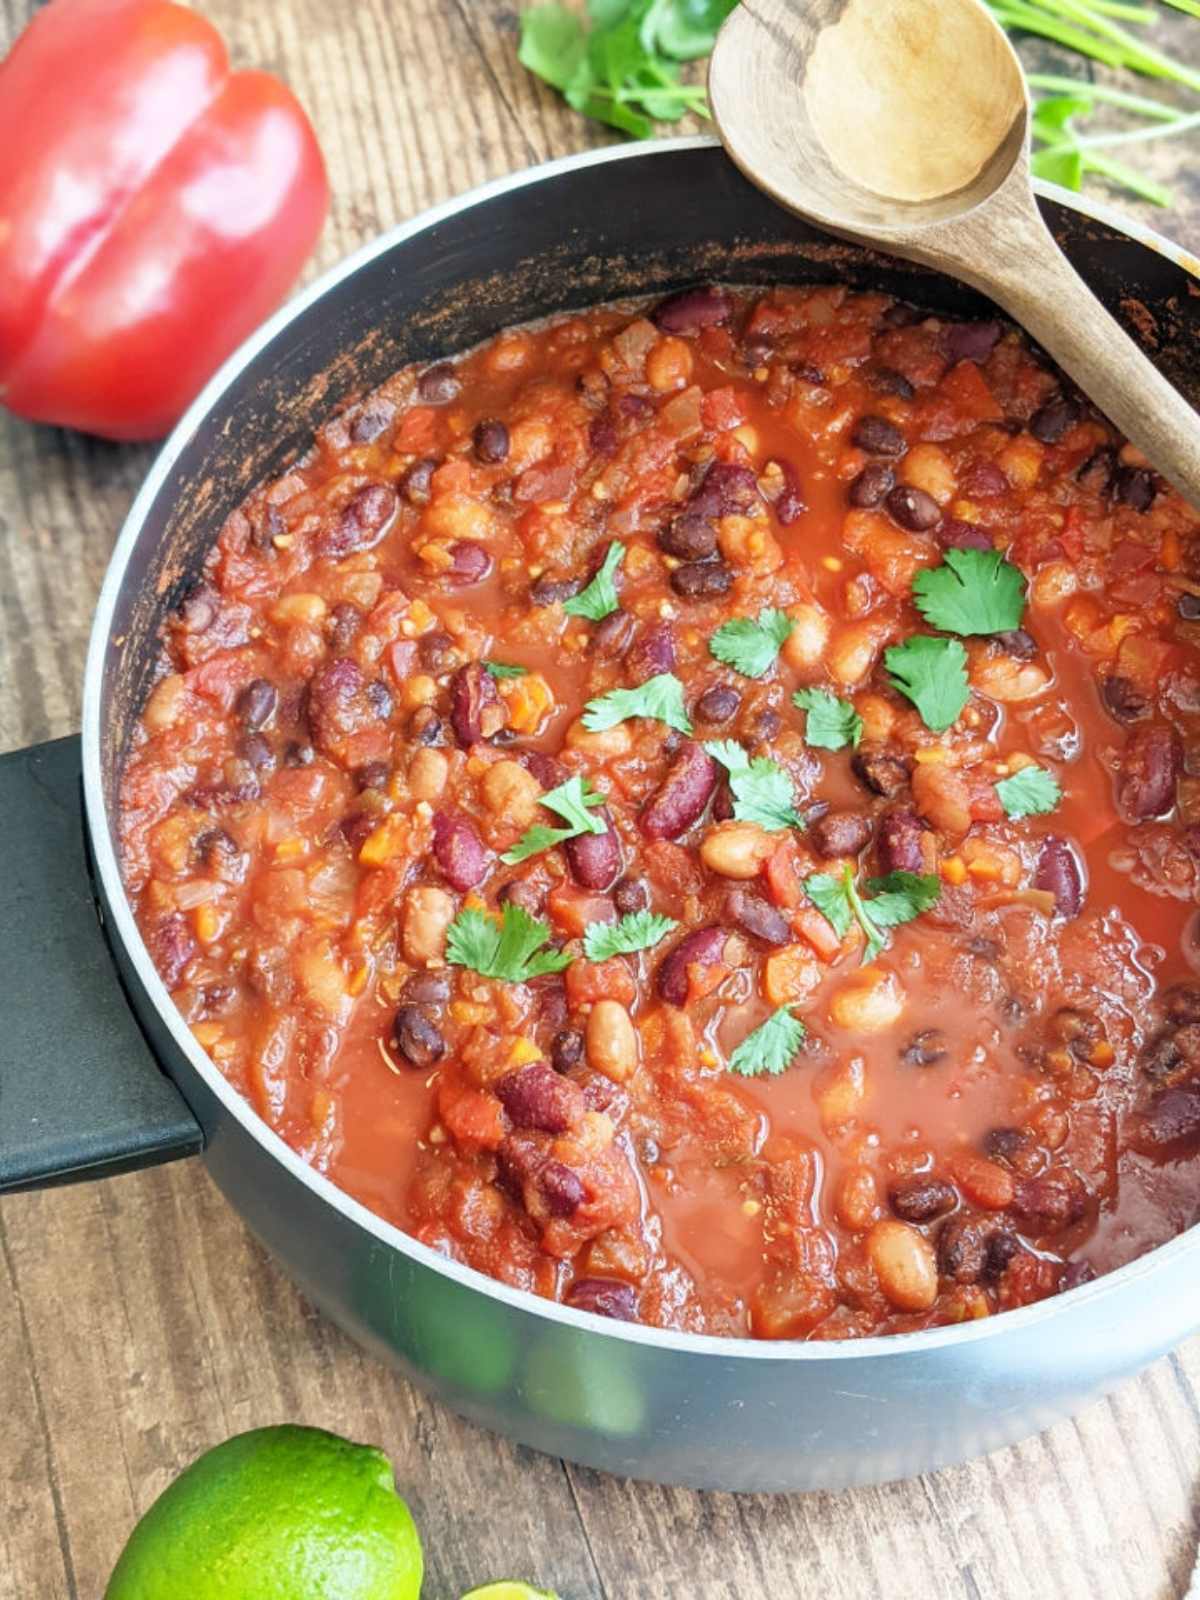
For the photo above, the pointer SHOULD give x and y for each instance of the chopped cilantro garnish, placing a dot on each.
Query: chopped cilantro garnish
(599, 598)
(770, 1048)
(505, 669)
(1032, 792)
(751, 647)
(973, 591)
(762, 791)
(660, 697)
(898, 898)
(571, 801)
(636, 931)
(831, 724)
(932, 673)
(510, 950)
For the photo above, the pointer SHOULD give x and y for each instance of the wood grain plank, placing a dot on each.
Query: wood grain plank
(139, 1320)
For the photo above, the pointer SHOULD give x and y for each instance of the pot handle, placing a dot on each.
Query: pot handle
(81, 1095)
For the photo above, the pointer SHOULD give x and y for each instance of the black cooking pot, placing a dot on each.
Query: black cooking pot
(80, 1094)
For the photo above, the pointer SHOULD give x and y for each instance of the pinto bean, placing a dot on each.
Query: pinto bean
(878, 437)
(1058, 873)
(904, 1264)
(604, 1297)
(535, 1096)
(702, 580)
(737, 849)
(704, 947)
(1150, 765)
(595, 858)
(753, 914)
(360, 524)
(428, 912)
(840, 833)
(612, 1041)
(900, 842)
(472, 691)
(459, 851)
(683, 794)
(416, 1038)
(652, 652)
(881, 769)
(693, 309)
(922, 1199)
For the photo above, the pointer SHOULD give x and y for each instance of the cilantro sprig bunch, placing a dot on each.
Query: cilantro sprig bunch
(771, 1048)
(660, 698)
(637, 930)
(762, 791)
(895, 900)
(620, 62)
(830, 723)
(598, 599)
(751, 645)
(510, 949)
(573, 801)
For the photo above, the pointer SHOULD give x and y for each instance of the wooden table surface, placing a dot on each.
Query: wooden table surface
(139, 1323)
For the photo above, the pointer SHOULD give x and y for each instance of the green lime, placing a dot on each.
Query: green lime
(509, 1590)
(278, 1514)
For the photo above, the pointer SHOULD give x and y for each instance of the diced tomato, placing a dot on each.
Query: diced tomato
(417, 432)
(574, 910)
(589, 981)
(473, 1119)
(781, 874)
(967, 387)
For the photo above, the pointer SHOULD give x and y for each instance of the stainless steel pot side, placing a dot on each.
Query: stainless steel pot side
(712, 1413)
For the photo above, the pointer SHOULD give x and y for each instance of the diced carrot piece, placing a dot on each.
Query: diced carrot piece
(781, 873)
(811, 924)
(473, 1119)
(572, 910)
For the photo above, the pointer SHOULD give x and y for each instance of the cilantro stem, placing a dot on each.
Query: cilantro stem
(1141, 105)
(1088, 30)
(1190, 7)
(1117, 172)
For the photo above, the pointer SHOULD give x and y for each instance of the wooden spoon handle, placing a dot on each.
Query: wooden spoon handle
(1006, 250)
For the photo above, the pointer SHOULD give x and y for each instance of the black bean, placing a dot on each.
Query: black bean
(370, 423)
(611, 636)
(1161, 1056)
(472, 562)
(360, 523)
(372, 775)
(1001, 1247)
(1005, 1144)
(256, 704)
(1188, 607)
(1099, 470)
(718, 704)
(702, 580)
(913, 508)
(414, 483)
(425, 726)
(925, 1049)
(198, 608)
(566, 1052)
(1182, 1003)
(886, 380)
(439, 384)
(691, 536)
(629, 895)
(921, 1199)
(840, 833)
(881, 769)
(1056, 417)
(427, 988)
(1016, 642)
(970, 341)
(380, 697)
(553, 591)
(955, 534)
(1075, 1275)
(417, 1039)
(755, 916)
(878, 437)
(561, 1189)
(491, 441)
(433, 648)
(1123, 699)
(764, 725)
(252, 747)
(652, 652)
(215, 847)
(298, 753)
(345, 621)
(873, 484)
(1135, 487)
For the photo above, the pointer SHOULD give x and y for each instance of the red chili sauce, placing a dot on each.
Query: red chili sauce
(316, 807)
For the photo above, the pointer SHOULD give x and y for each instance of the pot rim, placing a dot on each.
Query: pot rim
(1166, 1257)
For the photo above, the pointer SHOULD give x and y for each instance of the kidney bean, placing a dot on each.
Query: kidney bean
(955, 534)
(913, 508)
(683, 794)
(1099, 470)
(925, 1049)
(550, 996)
(1134, 486)
(970, 341)
(603, 436)
(566, 1053)
(298, 754)
(561, 1189)
(553, 591)
(881, 769)
(611, 635)
(921, 1199)
(415, 482)
(726, 489)
(840, 833)
(427, 988)
(1050, 1201)
(983, 480)
(900, 842)
(652, 652)
(521, 892)
(416, 1038)
(718, 704)
(1149, 767)
(548, 772)
(722, 804)
(1058, 873)
(630, 895)
(459, 851)
(1052, 420)
(702, 580)
(878, 437)
(605, 1297)
(755, 916)
(595, 858)
(472, 690)
(1169, 1128)
(370, 422)
(873, 484)
(172, 947)
(886, 380)
(704, 947)
(693, 309)
(472, 562)
(1075, 1275)
(790, 504)
(338, 702)
(535, 1096)
(491, 442)
(439, 384)
(691, 536)
(360, 524)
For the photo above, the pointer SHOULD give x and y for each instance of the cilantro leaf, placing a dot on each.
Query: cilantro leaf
(973, 591)
(599, 598)
(932, 673)
(505, 669)
(897, 899)
(660, 698)
(509, 950)
(638, 930)
(831, 724)
(552, 43)
(1032, 792)
(770, 1048)
(762, 791)
(571, 801)
(751, 647)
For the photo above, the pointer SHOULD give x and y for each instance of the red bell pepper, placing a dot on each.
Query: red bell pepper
(154, 207)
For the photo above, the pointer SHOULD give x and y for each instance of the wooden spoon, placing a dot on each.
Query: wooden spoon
(905, 123)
